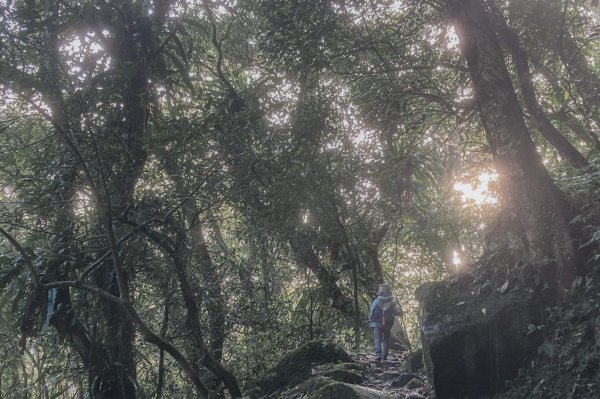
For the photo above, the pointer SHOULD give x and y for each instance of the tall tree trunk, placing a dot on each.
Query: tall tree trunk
(534, 223)
(109, 379)
(202, 355)
(195, 329)
(198, 249)
(583, 132)
(215, 303)
(541, 120)
(160, 381)
(118, 340)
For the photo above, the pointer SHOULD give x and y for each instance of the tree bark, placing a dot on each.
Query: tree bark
(534, 223)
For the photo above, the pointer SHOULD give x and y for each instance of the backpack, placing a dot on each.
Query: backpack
(388, 310)
(384, 312)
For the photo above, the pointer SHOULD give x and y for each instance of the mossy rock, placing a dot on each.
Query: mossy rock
(340, 390)
(343, 375)
(297, 365)
(312, 385)
(351, 373)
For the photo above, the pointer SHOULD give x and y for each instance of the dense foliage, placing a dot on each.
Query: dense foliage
(191, 188)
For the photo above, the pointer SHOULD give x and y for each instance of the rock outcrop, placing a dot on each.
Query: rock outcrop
(296, 366)
(476, 338)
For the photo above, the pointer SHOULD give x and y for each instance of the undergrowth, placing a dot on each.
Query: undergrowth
(567, 364)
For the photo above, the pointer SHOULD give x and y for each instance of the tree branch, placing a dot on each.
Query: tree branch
(23, 252)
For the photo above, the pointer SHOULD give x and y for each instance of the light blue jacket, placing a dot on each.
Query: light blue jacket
(375, 303)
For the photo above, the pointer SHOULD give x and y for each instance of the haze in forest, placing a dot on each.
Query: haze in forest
(191, 190)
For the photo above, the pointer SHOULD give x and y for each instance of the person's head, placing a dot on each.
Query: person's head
(384, 289)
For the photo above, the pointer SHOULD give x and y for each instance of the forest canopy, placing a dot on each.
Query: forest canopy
(188, 189)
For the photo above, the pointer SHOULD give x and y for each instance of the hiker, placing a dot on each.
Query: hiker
(383, 310)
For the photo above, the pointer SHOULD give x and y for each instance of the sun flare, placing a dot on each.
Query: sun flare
(479, 193)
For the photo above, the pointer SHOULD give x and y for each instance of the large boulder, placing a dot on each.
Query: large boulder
(351, 373)
(476, 335)
(297, 366)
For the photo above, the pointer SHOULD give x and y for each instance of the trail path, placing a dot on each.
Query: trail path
(392, 377)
